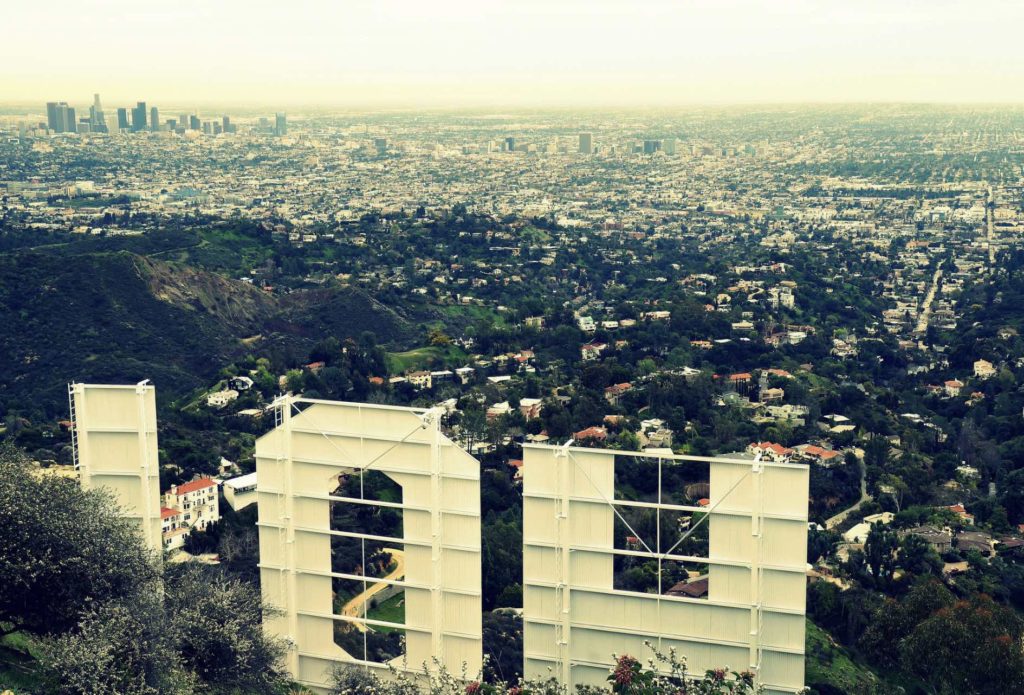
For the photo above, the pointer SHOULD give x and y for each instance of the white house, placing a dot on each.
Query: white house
(174, 529)
(196, 500)
(240, 492)
(221, 398)
(983, 369)
(421, 380)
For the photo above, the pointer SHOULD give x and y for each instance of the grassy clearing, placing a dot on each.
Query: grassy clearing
(830, 664)
(392, 611)
(471, 313)
(431, 357)
(17, 664)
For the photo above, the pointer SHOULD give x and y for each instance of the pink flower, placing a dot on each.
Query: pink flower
(473, 688)
(624, 670)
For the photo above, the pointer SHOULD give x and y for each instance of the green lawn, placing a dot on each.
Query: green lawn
(17, 670)
(431, 357)
(830, 663)
(392, 611)
(474, 313)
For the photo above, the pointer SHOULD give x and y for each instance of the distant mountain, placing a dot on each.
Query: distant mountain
(120, 317)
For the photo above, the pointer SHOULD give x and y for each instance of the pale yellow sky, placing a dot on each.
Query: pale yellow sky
(522, 52)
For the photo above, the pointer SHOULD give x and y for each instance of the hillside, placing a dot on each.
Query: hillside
(120, 317)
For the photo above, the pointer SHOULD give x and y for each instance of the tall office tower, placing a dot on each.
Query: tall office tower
(154, 119)
(122, 119)
(668, 145)
(226, 124)
(280, 124)
(193, 122)
(381, 145)
(651, 146)
(97, 118)
(586, 143)
(60, 118)
(217, 128)
(183, 121)
(206, 127)
(54, 119)
(510, 144)
(139, 117)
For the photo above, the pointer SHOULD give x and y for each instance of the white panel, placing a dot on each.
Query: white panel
(540, 478)
(786, 491)
(593, 570)
(784, 631)
(542, 639)
(303, 457)
(540, 564)
(784, 590)
(269, 470)
(598, 645)
(590, 621)
(591, 524)
(731, 488)
(731, 537)
(785, 542)
(115, 442)
(460, 495)
(729, 584)
(540, 602)
(784, 671)
(592, 475)
(539, 520)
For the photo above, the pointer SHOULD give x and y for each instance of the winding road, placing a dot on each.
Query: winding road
(354, 608)
(839, 518)
(926, 307)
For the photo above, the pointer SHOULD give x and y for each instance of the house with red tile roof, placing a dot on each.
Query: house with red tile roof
(196, 503)
(591, 434)
(819, 455)
(962, 512)
(174, 529)
(771, 451)
(613, 393)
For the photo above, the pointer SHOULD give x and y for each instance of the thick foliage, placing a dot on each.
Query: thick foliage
(62, 552)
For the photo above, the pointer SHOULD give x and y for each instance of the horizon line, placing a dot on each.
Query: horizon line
(524, 105)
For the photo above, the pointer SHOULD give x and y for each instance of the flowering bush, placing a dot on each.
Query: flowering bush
(662, 675)
(667, 675)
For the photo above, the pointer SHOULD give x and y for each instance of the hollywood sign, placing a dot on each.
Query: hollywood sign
(369, 529)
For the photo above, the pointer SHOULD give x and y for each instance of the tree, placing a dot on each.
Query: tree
(876, 452)
(880, 551)
(216, 624)
(919, 558)
(971, 647)
(118, 647)
(63, 552)
(76, 573)
(895, 620)
(821, 544)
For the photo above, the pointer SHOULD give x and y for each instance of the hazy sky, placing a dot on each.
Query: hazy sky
(474, 52)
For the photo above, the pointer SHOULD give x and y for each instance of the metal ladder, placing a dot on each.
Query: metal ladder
(74, 426)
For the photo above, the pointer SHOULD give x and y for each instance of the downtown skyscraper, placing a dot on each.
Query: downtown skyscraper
(139, 117)
(60, 118)
(97, 119)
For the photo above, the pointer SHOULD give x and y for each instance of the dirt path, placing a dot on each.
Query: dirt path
(354, 608)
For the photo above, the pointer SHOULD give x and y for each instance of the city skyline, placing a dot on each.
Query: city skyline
(458, 54)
